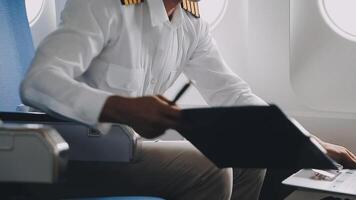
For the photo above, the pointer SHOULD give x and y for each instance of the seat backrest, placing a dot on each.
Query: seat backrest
(16, 51)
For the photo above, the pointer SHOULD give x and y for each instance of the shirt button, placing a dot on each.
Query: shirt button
(153, 81)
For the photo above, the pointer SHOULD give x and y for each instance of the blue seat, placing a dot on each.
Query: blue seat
(16, 53)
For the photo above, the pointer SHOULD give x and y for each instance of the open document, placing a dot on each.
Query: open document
(334, 181)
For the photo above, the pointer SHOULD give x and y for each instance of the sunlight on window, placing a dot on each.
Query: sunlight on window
(341, 15)
(34, 9)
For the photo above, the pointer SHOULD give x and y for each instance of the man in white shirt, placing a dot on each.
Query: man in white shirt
(109, 63)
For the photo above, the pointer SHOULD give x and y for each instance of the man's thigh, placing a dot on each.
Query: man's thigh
(173, 169)
(166, 169)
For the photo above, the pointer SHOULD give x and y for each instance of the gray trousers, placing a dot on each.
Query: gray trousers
(180, 171)
(172, 170)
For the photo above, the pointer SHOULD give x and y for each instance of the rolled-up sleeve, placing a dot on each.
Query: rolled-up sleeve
(216, 82)
(51, 83)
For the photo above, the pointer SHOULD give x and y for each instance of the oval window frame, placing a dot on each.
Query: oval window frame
(32, 19)
(333, 24)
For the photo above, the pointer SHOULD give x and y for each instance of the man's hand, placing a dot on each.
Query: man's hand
(150, 116)
(341, 155)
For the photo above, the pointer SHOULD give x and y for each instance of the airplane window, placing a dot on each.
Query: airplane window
(341, 16)
(34, 9)
(213, 11)
(322, 61)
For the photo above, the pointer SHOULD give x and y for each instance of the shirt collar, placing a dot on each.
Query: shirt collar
(159, 16)
(157, 12)
(178, 16)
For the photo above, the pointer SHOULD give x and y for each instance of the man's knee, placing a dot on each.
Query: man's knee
(226, 183)
(221, 184)
(215, 185)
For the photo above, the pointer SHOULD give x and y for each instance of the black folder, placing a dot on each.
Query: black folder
(252, 137)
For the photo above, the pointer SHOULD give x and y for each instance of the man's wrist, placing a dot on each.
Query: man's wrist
(111, 111)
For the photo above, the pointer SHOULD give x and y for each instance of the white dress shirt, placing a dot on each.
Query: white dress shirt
(103, 48)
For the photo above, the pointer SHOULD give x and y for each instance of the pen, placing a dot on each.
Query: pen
(181, 92)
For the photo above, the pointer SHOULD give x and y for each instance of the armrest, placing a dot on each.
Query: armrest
(86, 143)
(31, 153)
(29, 117)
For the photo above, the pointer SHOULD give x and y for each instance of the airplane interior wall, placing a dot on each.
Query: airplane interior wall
(269, 73)
(254, 38)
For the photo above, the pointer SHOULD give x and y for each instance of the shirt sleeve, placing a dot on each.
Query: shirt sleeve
(216, 82)
(51, 84)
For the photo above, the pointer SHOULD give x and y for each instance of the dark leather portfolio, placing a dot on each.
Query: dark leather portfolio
(252, 137)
